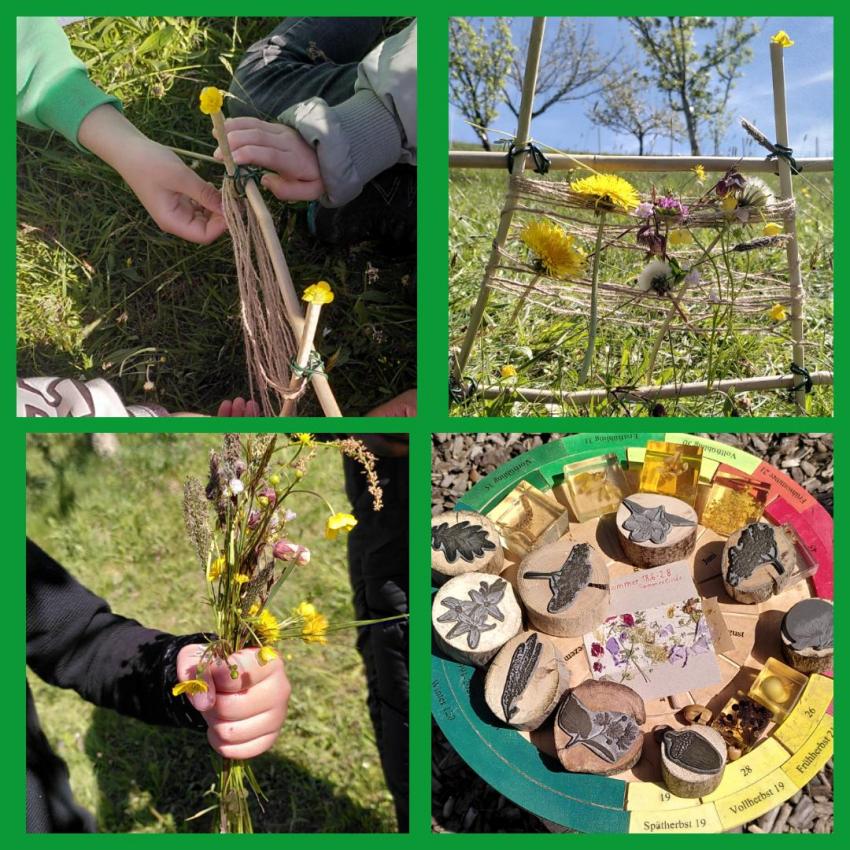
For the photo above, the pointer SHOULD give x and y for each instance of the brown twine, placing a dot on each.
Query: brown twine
(270, 342)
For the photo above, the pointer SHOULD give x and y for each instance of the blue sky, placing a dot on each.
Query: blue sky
(809, 84)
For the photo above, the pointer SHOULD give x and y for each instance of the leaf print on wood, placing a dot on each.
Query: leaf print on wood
(470, 616)
(463, 540)
(523, 664)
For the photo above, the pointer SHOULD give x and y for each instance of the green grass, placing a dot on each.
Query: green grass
(547, 349)
(103, 293)
(117, 525)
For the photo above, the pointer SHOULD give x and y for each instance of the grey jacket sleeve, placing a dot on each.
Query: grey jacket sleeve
(371, 131)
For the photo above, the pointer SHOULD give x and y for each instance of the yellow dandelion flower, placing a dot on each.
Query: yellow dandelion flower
(609, 191)
(508, 371)
(254, 610)
(267, 628)
(554, 248)
(304, 439)
(318, 293)
(782, 38)
(699, 173)
(215, 568)
(305, 610)
(266, 654)
(778, 313)
(729, 202)
(772, 229)
(337, 523)
(314, 629)
(679, 237)
(190, 686)
(212, 99)
(241, 578)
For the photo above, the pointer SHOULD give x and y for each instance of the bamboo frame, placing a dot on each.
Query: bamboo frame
(651, 393)
(490, 160)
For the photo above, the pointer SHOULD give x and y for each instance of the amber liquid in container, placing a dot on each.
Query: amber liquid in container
(528, 518)
(671, 469)
(594, 486)
(733, 502)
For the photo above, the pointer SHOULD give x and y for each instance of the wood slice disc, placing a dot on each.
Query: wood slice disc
(525, 680)
(692, 760)
(464, 542)
(806, 634)
(757, 562)
(473, 615)
(564, 588)
(655, 529)
(597, 728)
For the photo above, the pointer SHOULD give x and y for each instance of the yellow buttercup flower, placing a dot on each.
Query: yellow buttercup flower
(609, 191)
(782, 38)
(778, 313)
(191, 687)
(314, 629)
(215, 568)
(554, 248)
(267, 628)
(729, 202)
(305, 610)
(318, 293)
(699, 173)
(508, 371)
(212, 100)
(337, 523)
(266, 654)
(304, 439)
(772, 229)
(677, 238)
(241, 578)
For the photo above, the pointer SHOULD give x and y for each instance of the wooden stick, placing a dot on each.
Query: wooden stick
(284, 279)
(617, 163)
(698, 388)
(786, 188)
(305, 346)
(529, 84)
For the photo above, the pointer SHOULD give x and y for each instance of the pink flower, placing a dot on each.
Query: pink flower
(628, 620)
(596, 650)
(597, 667)
(286, 550)
(253, 518)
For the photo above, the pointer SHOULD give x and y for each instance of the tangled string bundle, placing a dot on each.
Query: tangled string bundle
(270, 342)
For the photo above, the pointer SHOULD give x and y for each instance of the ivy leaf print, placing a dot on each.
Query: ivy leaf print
(464, 540)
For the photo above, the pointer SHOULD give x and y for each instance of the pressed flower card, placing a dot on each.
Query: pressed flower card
(656, 638)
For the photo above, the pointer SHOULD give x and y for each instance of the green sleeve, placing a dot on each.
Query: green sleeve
(54, 91)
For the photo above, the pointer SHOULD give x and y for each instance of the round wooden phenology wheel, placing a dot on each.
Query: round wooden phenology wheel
(654, 529)
(525, 680)
(564, 588)
(464, 542)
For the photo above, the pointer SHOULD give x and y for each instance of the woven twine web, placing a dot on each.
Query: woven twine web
(725, 281)
(270, 342)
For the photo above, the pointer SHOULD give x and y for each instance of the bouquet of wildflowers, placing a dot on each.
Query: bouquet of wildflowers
(238, 527)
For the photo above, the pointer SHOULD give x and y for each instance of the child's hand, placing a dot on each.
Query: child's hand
(238, 407)
(280, 149)
(178, 200)
(243, 715)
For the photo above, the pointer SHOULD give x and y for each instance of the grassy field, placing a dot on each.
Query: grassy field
(103, 293)
(547, 348)
(117, 525)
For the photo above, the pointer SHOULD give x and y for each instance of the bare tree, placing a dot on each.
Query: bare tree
(479, 62)
(697, 82)
(624, 108)
(570, 68)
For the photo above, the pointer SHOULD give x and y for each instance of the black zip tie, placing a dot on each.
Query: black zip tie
(315, 366)
(807, 382)
(242, 175)
(541, 161)
(461, 392)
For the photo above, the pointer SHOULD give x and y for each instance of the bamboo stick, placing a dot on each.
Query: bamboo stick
(786, 188)
(284, 278)
(618, 163)
(697, 388)
(529, 83)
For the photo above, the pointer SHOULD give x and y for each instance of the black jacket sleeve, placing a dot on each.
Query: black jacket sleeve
(75, 641)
